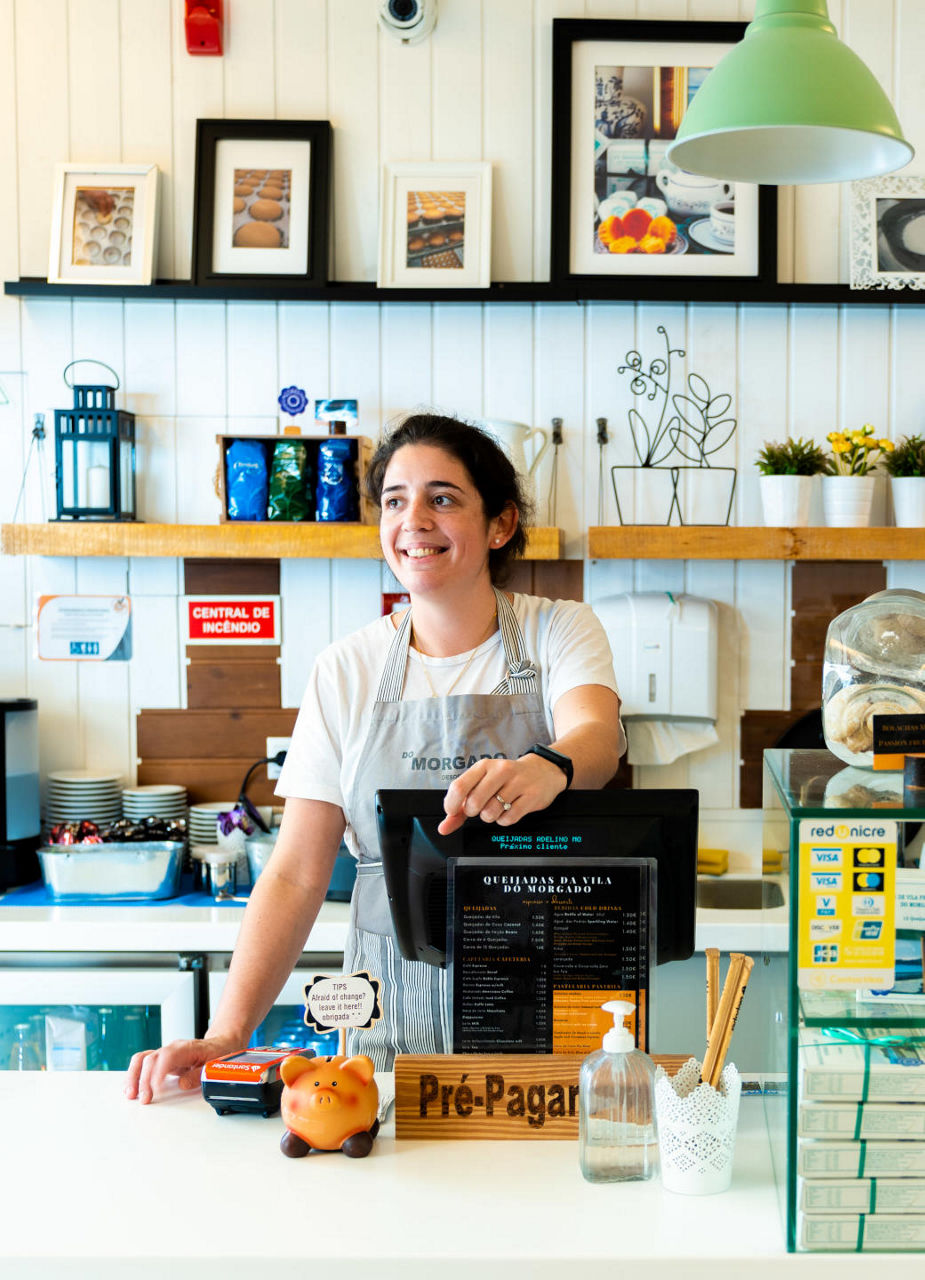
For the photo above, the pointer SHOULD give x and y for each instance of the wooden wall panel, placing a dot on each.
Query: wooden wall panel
(231, 577)
(245, 682)
(222, 734)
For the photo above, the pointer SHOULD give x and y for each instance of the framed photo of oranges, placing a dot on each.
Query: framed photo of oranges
(104, 224)
(621, 209)
(435, 226)
(262, 199)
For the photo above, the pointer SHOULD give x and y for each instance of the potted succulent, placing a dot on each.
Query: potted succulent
(787, 469)
(848, 482)
(906, 467)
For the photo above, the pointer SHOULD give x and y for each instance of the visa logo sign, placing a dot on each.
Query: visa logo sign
(826, 880)
(825, 857)
(825, 905)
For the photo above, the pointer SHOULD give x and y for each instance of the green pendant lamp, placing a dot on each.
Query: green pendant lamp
(790, 104)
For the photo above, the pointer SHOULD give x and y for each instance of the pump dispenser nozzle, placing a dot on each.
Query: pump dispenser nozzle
(619, 1039)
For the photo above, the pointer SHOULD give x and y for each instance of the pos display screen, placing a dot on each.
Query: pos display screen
(607, 824)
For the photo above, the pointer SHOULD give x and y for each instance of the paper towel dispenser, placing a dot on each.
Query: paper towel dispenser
(664, 653)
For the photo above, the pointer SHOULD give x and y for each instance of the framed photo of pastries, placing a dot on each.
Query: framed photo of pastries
(104, 224)
(435, 226)
(262, 198)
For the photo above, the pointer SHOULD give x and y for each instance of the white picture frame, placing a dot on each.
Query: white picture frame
(104, 224)
(435, 226)
(887, 232)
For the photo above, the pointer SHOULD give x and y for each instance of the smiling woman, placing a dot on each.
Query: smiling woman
(515, 696)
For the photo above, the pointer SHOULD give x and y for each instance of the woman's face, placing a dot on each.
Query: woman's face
(433, 528)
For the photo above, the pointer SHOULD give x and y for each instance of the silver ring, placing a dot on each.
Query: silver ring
(503, 803)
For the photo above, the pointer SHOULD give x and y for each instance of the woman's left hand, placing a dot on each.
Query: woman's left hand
(501, 791)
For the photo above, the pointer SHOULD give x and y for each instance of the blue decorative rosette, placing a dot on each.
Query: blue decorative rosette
(292, 400)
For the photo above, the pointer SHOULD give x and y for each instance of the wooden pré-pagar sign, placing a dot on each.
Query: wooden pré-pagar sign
(494, 1096)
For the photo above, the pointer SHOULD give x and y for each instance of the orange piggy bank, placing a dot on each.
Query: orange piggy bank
(329, 1104)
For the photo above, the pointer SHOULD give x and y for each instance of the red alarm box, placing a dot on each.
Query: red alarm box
(203, 23)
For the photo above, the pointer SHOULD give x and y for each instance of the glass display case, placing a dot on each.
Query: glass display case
(82, 1019)
(847, 1123)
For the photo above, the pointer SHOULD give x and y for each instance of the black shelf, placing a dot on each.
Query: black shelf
(581, 291)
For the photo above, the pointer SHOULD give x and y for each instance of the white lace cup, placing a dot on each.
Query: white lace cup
(696, 1129)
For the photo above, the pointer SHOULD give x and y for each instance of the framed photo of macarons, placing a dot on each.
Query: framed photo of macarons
(888, 233)
(261, 203)
(104, 224)
(435, 226)
(621, 209)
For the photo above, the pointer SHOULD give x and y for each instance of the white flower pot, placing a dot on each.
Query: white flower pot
(908, 501)
(847, 500)
(785, 500)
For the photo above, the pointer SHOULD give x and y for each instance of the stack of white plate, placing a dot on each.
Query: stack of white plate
(202, 819)
(74, 795)
(154, 800)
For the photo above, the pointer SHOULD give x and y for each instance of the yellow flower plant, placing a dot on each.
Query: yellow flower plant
(855, 453)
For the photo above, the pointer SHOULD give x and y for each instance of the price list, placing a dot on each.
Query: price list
(538, 944)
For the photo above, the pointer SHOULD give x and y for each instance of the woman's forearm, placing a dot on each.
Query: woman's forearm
(283, 906)
(277, 921)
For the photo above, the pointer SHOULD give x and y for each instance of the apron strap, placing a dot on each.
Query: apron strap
(521, 673)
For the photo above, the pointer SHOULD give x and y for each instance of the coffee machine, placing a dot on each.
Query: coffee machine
(20, 821)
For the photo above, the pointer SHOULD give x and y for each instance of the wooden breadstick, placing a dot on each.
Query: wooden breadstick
(723, 1014)
(712, 954)
(745, 966)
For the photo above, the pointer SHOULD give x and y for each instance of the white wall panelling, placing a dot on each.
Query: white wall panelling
(119, 86)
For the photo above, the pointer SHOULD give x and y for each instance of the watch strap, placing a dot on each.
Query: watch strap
(554, 757)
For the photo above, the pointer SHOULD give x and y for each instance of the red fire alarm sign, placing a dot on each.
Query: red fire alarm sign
(232, 619)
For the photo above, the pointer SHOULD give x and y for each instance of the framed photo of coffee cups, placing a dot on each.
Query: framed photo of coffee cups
(104, 224)
(435, 226)
(262, 200)
(620, 208)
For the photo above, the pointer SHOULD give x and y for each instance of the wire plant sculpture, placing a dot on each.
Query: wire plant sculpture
(692, 424)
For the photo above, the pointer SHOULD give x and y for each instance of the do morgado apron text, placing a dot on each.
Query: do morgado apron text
(502, 724)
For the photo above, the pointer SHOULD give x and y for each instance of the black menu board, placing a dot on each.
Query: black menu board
(538, 944)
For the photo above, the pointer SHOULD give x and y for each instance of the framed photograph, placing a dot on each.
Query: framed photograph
(435, 226)
(104, 224)
(620, 207)
(888, 233)
(262, 200)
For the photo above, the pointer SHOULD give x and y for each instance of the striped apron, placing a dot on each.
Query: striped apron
(451, 731)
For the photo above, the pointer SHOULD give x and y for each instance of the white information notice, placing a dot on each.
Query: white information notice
(348, 1000)
(84, 628)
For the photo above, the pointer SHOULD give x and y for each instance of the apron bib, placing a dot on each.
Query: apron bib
(456, 731)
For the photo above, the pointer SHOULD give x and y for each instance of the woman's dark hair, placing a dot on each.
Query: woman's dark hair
(488, 467)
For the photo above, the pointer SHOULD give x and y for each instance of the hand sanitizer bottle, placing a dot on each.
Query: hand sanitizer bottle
(617, 1137)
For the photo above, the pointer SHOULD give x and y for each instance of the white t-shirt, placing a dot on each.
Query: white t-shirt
(563, 639)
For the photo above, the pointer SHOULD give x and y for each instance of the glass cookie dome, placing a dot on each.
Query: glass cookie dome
(874, 665)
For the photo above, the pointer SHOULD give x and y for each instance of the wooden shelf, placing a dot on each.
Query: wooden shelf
(270, 541)
(735, 542)
(594, 289)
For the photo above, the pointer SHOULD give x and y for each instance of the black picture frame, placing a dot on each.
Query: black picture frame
(669, 275)
(304, 223)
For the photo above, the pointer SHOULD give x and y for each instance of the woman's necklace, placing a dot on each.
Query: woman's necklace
(433, 692)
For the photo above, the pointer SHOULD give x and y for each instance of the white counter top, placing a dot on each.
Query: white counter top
(176, 926)
(95, 1186)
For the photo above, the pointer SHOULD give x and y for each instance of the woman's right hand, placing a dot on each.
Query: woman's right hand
(148, 1070)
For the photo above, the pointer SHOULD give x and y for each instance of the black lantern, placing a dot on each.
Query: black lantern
(94, 454)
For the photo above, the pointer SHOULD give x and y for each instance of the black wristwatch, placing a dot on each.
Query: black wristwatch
(554, 757)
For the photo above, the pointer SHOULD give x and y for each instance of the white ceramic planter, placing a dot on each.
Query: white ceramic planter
(847, 500)
(785, 500)
(908, 501)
